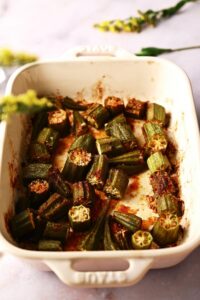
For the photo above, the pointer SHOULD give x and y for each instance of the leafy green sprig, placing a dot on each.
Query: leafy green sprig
(27, 103)
(153, 51)
(9, 58)
(144, 19)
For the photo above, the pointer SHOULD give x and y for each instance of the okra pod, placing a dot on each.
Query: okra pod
(155, 137)
(36, 171)
(116, 183)
(156, 113)
(50, 245)
(114, 105)
(93, 237)
(86, 142)
(98, 172)
(80, 126)
(39, 122)
(135, 109)
(97, 115)
(69, 103)
(129, 221)
(120, 129)
(167, 203)
(110, 146)
(59, 121)
(165, 230)
(141, 240)
(56, 231)
(38, 192)
(79, 217)
(48, 137)
(22, 224)
(121, 236)
(76, 165)
(157, 162)
(83, 193)
(54, 208)
(134, 157)
(162, 183)
(132, 169)
(58, 184)
(39, 153)
(108, 243)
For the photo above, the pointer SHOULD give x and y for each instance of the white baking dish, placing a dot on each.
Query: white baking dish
(86, 70)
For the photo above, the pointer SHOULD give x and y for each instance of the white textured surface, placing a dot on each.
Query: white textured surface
(49, 28)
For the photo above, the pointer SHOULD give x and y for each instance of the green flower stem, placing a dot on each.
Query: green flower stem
(144, 19)
(153, 51)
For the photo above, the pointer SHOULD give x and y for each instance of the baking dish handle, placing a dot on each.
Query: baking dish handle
(97, 51)
(137, 268)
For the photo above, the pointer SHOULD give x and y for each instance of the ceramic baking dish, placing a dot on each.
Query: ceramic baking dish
(93, 73)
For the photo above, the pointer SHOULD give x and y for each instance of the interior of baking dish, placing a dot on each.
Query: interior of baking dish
(145, 79)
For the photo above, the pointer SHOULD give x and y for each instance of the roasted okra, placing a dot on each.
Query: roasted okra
(81, 159)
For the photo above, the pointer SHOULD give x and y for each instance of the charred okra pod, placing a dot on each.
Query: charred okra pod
(108, 243)
(130, 221)
(48, 137)
(120, 129)
(121, 236)
(131, 170)
(98, 172)
(36, 171)
(135, 109)
(76, 165)
(165, 230)
(134, 157)
(110, 146)
(79, 217)
(56, 231)
(80, 126)
(114, 105)
(38, 122)
(97, 115)
(116, 184)
(54, 208)
(38, 192)
(141, 240)
(50, 245)
(162, 183)
(92, 239)
(156, 113)
(58, 184)
(167, 203)
(69, 103)
(22, 224)
(39, 153)
(59, 121)
(83, 193)
(86, 142)
(155, 137)
(157, 162)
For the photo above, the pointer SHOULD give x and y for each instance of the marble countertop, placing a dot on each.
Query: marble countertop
(49, 28)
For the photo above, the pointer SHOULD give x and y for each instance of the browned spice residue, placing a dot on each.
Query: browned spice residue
(98, 91)
(133, 186)
(152, 203)
(126, 209)
(63, 145)
(146, 224)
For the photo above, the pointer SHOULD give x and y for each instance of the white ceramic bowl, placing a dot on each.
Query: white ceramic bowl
(122, 74)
